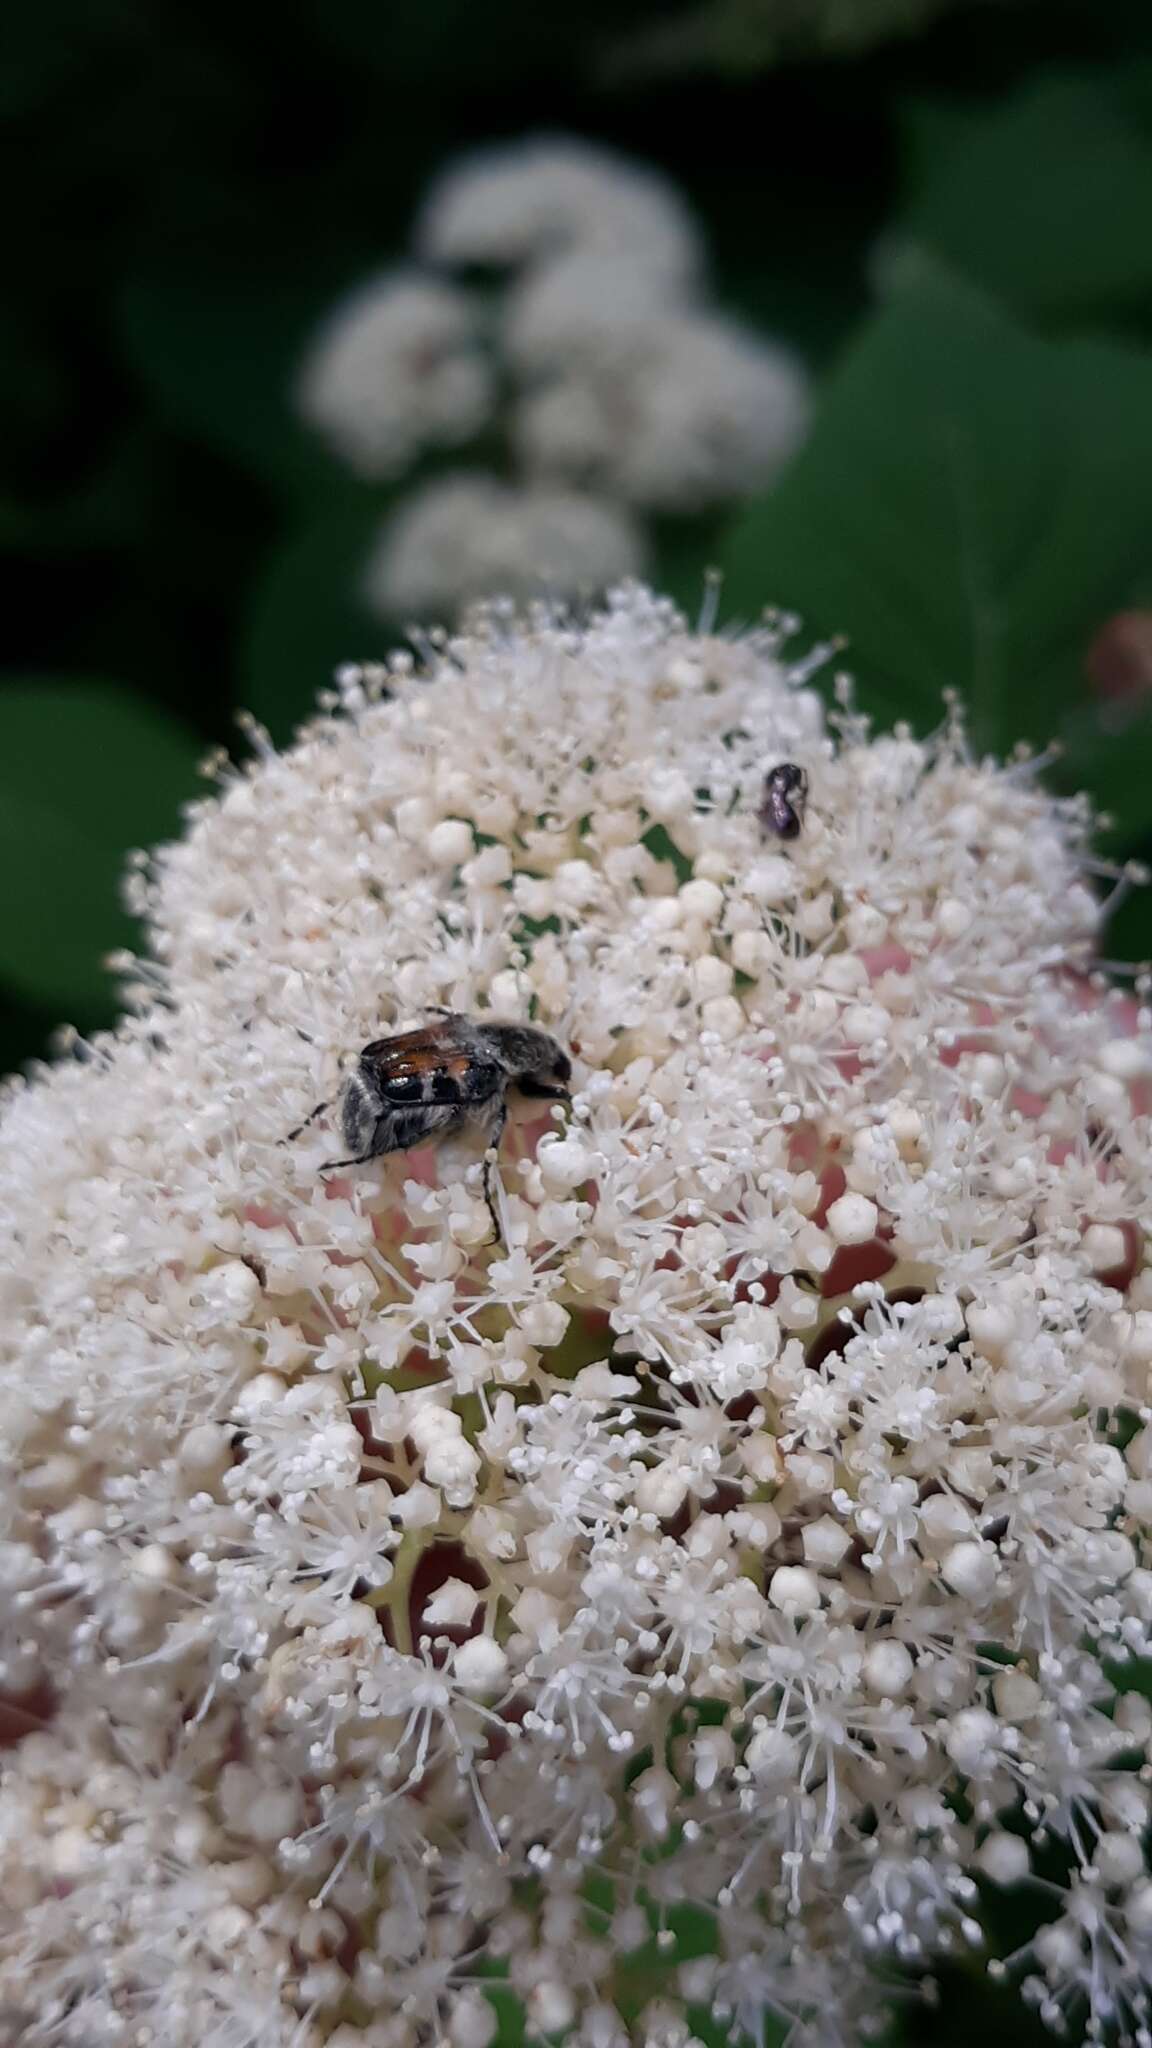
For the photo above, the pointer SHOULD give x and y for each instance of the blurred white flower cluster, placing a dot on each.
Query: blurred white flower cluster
(557, 306)
(761, 1529)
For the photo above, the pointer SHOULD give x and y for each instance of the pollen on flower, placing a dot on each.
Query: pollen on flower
(761, 1519)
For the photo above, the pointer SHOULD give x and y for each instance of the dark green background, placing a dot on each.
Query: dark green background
(955, 230)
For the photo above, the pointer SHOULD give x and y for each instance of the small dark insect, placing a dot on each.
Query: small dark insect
(433, 1083)
(782, 804)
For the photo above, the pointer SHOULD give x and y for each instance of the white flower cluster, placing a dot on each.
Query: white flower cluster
(470, 534)
(759, 1528)
(397, 369)
(594, 349)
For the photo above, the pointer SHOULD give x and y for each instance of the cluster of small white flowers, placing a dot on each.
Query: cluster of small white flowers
(457, 540)
(530, 201)
(396, 369)
(760, 1527)
(699, 412)
(595, 348)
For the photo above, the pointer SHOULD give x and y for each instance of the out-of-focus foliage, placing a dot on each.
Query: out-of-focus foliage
(745, 35)
(1045, 201)
(87, 770)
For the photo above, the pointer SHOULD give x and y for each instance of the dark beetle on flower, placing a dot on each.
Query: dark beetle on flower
(782, 805)
(433, 1083)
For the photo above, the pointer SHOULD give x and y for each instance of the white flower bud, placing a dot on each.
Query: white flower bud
(544, 1323)
(448, 1459)
(888, 1669)
(1127, 1059)
(723, 1016)
(812, 1474)
(1059, 1949)
(970, 1569)
(1118, 1858)
(703, 900)
(1134, 1715)
(772, 1756)
(472, 2021)
(653, 1799)
(564, 1163)
(1135, 1337)
(1138, 1908)
(1004, 1858)
(1017, 1697)
(992, 1327)
(266, 1390)
(480, 1665)
(751, 950)
(865, 925)
(452, 1605)
(1105, 1247)
(972, 1741)
(825, 1543)
(710, 977)
(550, 2007)
(662, 1490)
(863, 1024)
(852, 1219)
(155, 1565)
(760, 1456)
(450, 843)
(795, 1589)
(713, 1753)
(232, 1289)
(953, 918)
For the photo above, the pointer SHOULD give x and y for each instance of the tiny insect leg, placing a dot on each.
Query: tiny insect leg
(377, 1148)
(309, 1119)
(491, 1177)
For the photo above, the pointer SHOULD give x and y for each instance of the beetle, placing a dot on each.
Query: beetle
(428, 1084)
(782, 804)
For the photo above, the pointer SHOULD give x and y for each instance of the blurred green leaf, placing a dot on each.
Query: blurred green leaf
(972, 505)
(1047, 204)
(930, 134)
(1113, 762)
(305, 619)
(86, 771)
(221, 364)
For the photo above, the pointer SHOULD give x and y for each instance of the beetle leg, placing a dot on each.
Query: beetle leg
(309, 1119)
(491, 1158)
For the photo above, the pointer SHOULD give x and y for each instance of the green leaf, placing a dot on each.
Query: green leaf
(306, 619)
(1112, 758)
(972, 505)
(221, 363)
(930, 132)
(1047, 205)
(87, 771)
